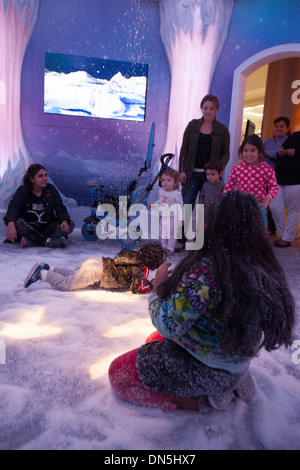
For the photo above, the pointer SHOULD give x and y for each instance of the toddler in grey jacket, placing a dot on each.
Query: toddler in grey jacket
(214, 186)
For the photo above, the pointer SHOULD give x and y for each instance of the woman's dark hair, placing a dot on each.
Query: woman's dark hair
(32, 170)
(256, 304)
(255, 140)
(286, 120)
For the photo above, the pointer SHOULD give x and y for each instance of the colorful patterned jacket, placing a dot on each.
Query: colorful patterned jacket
(188, 317)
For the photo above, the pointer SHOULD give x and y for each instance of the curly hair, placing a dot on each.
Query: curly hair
(151, 255)
(256, 307)
(173, 174)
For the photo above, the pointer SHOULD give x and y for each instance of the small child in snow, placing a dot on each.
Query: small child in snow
(128, 270)
(170, 195)
(214, 186)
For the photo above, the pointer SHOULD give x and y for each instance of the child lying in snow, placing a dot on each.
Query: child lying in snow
(128, 270)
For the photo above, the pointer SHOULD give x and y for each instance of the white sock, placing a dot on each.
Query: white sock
(43, 274)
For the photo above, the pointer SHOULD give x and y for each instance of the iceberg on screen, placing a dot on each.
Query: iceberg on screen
(115, 90)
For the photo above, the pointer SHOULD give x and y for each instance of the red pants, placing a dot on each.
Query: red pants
(127, 385)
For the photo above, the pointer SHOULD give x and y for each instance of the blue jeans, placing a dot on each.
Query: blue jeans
(197, 181)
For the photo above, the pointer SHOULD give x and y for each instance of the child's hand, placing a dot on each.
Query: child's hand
(11, 233)
(161, 274)
(182, 177)
(265, 202)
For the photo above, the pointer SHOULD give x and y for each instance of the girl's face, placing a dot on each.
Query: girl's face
(168, 183)
(209, 111)
(40, 180)
(280, 129)
(251, 154)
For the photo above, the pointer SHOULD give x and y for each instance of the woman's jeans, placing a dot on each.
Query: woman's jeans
(195, 186)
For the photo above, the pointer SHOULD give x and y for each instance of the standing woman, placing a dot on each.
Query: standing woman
(203, 140)
(36, 214)
(288, 198)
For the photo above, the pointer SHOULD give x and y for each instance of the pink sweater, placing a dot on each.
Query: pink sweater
(258, 180)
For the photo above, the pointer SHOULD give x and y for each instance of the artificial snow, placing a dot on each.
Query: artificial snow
(56, 347)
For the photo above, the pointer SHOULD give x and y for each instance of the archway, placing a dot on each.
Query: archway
(238, 92)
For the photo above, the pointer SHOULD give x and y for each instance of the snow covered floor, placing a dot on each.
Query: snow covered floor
(55, 349)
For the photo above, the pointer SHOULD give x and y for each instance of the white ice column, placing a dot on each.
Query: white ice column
(17, 20)
(193, 33)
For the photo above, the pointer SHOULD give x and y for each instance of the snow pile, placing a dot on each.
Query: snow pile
(55, 349)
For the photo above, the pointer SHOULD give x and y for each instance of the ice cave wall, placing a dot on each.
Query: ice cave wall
(193, 33)
(17, 20)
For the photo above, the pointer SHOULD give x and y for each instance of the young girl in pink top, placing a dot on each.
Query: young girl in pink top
(253, 175)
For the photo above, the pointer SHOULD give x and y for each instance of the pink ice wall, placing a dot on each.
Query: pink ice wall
(17, 19)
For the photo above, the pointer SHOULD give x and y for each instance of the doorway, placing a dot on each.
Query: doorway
(254, 100)
(241, 74)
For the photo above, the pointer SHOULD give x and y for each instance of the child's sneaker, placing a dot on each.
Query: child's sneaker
(25, 243)
(221, 402)
(246, 389)
(56, 242)
(35, 274)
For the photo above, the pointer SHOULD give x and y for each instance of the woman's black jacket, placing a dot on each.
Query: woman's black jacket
(21, 202)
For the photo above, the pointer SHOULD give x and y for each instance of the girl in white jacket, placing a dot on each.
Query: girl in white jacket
(170, 209)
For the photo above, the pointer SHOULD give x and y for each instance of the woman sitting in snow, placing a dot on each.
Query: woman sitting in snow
(213, 314)
(36, 214)
(128, 270)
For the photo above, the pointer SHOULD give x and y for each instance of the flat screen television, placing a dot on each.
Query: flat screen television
(93, 87)
(250, 128)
